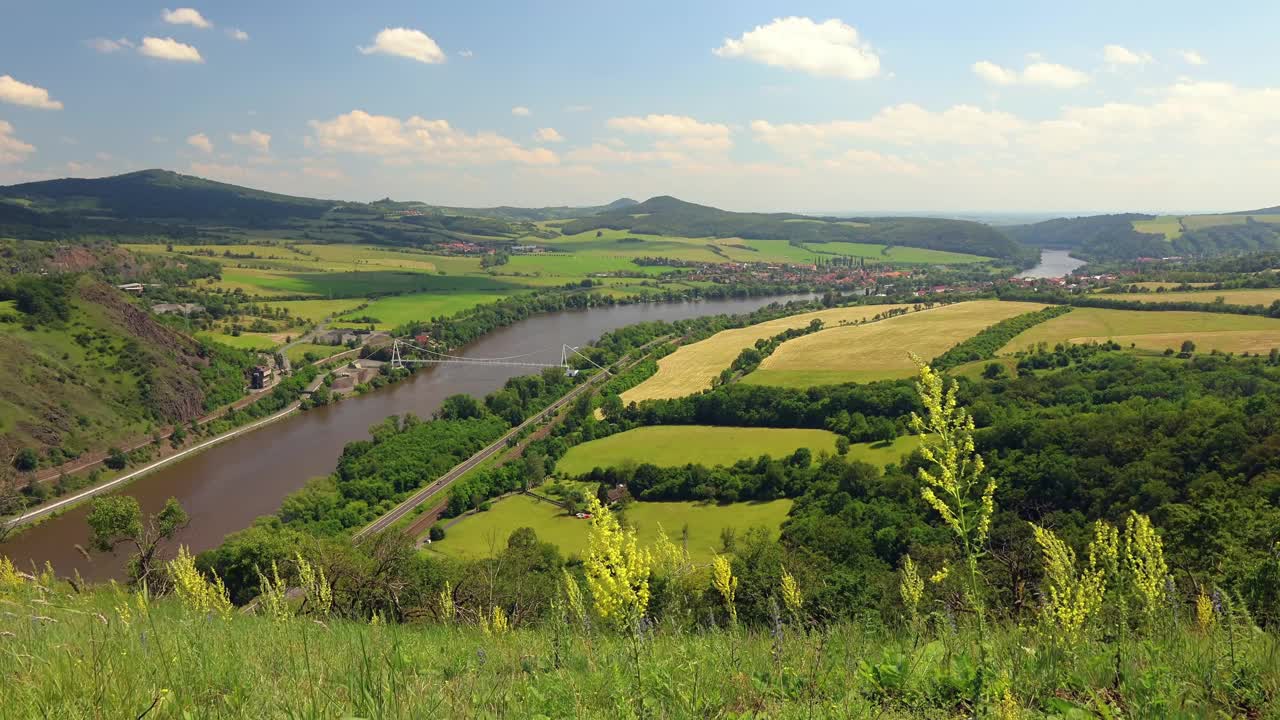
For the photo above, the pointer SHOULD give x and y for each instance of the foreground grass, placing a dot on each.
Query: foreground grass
(483, 534)
(103, 654)
(878, 351)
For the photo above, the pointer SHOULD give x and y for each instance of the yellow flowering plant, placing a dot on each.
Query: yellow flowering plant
(617, 569)
(195, 590)
(726, 584)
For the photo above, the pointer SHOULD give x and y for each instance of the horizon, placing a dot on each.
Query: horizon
(749, 107)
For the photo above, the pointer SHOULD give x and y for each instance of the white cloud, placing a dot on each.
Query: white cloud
(548, 135)
(12, 150)
(828, 49)
(408, 43)
(200, 141)
(107, 45)
(238, 34)
(676, 133)
(465, 53)
(259, 141)
(20, 93)
(521, 111)
(871, 162)
(1117, 55)
(1191, 57)
(600, 153)
(186, 16)
(420, 140)
(1039, 72)
(169, 49)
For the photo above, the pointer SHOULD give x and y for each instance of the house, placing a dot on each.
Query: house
(135, 288)
(260, 377)
(177, 308)
(339, 336)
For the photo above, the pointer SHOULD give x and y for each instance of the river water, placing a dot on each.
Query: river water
(1053, 264)
(227, 486)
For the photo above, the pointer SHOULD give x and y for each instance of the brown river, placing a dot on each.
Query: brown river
(227, 486)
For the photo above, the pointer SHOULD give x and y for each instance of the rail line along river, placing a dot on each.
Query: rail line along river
(225, 487)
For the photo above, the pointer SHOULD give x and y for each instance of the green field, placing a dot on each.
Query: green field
(317, 310)
(244, 341)
(1169, 226)
(673, 445)
(477, 535)
(879, 351)
(298, 352)
(692, 368)
(1155, 330)
(400, 309)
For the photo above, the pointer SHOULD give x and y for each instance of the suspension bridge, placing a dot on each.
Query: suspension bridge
(404, 352)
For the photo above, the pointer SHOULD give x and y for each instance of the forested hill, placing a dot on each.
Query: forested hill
(667, 215)
(1132, 235)
(160, 195)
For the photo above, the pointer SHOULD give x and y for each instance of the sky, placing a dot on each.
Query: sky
(985, 106)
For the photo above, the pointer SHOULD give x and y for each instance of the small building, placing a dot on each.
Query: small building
(177, 308)
(260, 377)
(134, 288)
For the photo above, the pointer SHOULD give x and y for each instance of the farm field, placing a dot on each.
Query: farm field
(692, 368)
(243, 341)
(476, 535)
(317, 310)
(675, 445)
(879, 351)
(1155, 330)
(400, 309)
(1261, 296)
(297, 353)
(1171, 226)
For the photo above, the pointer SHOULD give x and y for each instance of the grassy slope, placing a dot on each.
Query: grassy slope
(878, 351)
(100, 655)
(672, 445)
(692, 368)
(1155, 330)
(475, 535)
(1261, 296)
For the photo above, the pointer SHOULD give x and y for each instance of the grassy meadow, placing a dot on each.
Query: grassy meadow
(1155, 330)
(477, 535)
(1260, 296)
(879, 351)
(674, 445)
(692, 368)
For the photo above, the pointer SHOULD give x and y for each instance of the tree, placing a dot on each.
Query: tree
(117, 520)
(460, 407)
(11, 502)
(436, 533)
(26, 460)
(1188, 347)
(116, 459)
(842, 446)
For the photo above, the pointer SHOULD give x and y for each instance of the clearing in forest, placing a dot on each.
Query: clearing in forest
(1152, 330)
(676, 445)
(879, 351)
(692, 368)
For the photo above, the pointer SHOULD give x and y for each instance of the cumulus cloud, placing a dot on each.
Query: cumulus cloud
(421, 140)
(602, 154)
(676, 133)
(547, 134)
(408, 43)
(20, 93)
(169, 49)
(12, 150)
(186, 16)
(259, 141)
(238, 34)
(1038, 73)
(1117, 55)
(107, 45)
(200, 141)
(827, 49)
(1191, 57)
(521, 111)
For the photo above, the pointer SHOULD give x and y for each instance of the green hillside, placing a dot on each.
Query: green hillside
(90, 368)
(666, 215)
(1127, 236)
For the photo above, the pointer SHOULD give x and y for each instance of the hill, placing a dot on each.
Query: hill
(89, 368)
(666, 215)
(161, 195)
(1132, 235)
(520, 214)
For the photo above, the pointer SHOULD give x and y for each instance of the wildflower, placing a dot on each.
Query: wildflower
(1204, 612)
(500, 623)
(617, 569)
(316, 589)
(1072, 598)
(197, 592)
(1144, 564)
(792, 597)
(574, 605)
(911, 587)
(725, 583)
(272, 596)
(9, 576)
(941, 576)
(447, 608)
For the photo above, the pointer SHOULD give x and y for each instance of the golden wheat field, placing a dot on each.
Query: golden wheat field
(692, 368)
(879, 351)
(1155, 330)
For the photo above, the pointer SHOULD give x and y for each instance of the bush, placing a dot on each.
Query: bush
(436, 534)
(116, 460)
(26, 460)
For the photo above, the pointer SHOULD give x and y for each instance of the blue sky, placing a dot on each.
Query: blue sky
(988, 106)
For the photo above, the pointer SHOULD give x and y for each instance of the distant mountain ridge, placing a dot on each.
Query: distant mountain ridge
(539, 214)
(666, 215)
